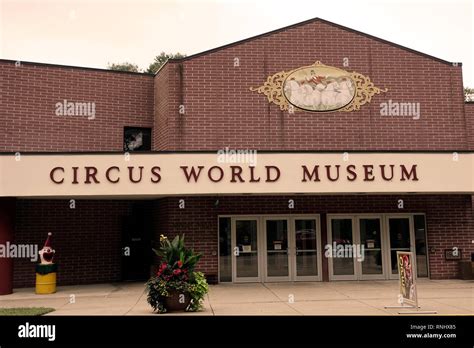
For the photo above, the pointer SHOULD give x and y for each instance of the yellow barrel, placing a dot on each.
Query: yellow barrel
(46, 283)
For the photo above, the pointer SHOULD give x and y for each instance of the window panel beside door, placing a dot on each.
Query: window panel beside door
(420, 246)
(225, 252)
(399, 236)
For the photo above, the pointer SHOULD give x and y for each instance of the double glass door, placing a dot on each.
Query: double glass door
(365, 246)
(276, 249)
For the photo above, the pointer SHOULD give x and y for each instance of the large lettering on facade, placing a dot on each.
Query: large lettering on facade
(234, 174)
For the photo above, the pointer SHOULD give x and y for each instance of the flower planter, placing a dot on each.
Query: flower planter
(177, 302)
(175, 285)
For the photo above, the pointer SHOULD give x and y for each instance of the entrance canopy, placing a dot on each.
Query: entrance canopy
(189, 173)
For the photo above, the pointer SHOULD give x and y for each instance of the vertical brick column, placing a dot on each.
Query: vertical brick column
(7, 222)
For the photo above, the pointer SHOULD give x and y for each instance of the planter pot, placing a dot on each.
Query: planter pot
(177, 301)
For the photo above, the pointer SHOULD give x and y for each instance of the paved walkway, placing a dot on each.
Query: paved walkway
(329, 298)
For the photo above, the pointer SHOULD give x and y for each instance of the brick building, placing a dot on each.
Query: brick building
(370, 146)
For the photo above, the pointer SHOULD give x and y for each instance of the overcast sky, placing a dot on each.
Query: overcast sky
(94, 32)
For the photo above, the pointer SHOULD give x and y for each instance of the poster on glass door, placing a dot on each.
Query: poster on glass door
(407, 278)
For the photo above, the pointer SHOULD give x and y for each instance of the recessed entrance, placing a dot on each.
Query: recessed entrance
(365, 246)
(275, 248)
(355, 247)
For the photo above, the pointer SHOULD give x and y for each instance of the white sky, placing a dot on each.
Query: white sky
(94, 32)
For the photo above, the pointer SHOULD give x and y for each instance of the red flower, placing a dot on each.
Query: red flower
(177, 272)
(180, 264)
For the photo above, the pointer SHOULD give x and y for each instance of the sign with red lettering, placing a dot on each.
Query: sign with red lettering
(235, 174)
(162, 174)
(407, 278)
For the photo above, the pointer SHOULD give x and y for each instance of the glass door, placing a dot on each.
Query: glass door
(245, 250)
(277, 251)
(307, 245)
(370, 238)
(400, 238)
(340, 239)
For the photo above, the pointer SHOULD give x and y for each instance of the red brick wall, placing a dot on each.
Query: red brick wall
(469, 110)
(86, 239)
(30, 92)
(160, 122)
(169, 97)
(449, 219)
(198, 221)
(221, 111)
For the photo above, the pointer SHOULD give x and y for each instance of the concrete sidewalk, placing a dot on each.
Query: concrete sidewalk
(453, 297)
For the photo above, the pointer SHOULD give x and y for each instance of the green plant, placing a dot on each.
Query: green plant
(176, 254)
(176, 274)
(123, 67)
(25, 311)
(161, 59)
(468, 94)
(199, 289)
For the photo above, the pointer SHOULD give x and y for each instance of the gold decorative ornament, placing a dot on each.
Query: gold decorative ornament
(318, 88)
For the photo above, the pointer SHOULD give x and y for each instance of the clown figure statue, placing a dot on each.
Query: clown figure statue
(47, 253)
(46, 270)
